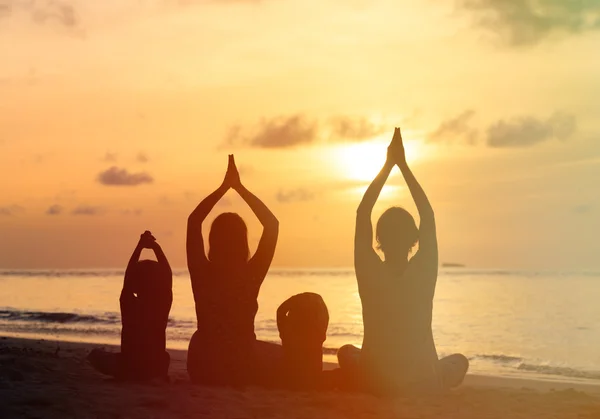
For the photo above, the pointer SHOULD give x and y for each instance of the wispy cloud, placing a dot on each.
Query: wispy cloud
(87, 210)
(75, 16)
(294, 195)
(11, 210)
(300, 130)
(142, 157)
(583, 209)
(517, 132)
(456, 128)
(42, 11)
(121, 177)
(527, 131)
(355, 128)
(54, 210)
(527, 22)
(279, 132)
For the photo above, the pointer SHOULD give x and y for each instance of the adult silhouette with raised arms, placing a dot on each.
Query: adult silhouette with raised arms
(398, 353)
(226, 283)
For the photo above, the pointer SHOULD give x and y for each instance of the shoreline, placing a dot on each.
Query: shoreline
(478, 378)
(52, 380)
(471, 380)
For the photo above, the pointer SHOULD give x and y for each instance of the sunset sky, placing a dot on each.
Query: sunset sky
(117, 116)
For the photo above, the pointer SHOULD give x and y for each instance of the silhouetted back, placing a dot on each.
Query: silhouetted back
(398, 352)
(145, 302)
(226, 286)
(302, 321)
(145, 312)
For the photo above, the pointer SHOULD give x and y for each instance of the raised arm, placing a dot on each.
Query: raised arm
(261, 261)
(363, 236)
(127, 300)
(427, 229)
(133, 260)
(162, 306)
(161, 259)
(196, 256)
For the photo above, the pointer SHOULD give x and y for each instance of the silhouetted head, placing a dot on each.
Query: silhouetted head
(148, 278)
(396, 233)
(228, 240)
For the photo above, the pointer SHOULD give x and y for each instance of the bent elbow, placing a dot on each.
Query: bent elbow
(272, 226)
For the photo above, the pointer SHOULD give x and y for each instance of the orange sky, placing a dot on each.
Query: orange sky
(500, 121)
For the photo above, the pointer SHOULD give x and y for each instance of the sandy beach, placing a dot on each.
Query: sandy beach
(50, 379)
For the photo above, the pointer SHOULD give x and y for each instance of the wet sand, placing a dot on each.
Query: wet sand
(49, 379)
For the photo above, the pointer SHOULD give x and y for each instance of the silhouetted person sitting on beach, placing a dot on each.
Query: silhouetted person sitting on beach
(398, 353)
(302, 321)
(145, 301)
(226, 285)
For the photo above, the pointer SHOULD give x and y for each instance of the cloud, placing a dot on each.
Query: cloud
(458, 127)
(527, 22)
(73, 15)
(60, 12)
(142, 157)
(5, 9)
(527, 131)
(279, 132)
(42, 11)
(299, 130)
(54, 210)
(87, 210)
(11, 210)
(294, 195)
(39, 158)
(121, 177)
(522, 131)
(356, 129)
(583, 209)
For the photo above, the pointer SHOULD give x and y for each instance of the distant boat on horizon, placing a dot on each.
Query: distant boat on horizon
(452, 265)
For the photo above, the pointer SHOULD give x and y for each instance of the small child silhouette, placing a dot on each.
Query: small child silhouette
(145, 302)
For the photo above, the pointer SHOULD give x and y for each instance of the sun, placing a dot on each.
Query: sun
(361, 162)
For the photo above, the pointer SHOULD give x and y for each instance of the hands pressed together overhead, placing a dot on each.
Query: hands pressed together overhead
(147, 240)
(232, 176)
(395, 152)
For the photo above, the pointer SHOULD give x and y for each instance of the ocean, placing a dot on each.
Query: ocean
(541, 325)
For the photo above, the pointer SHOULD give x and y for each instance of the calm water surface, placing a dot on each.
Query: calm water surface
(528, 324)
